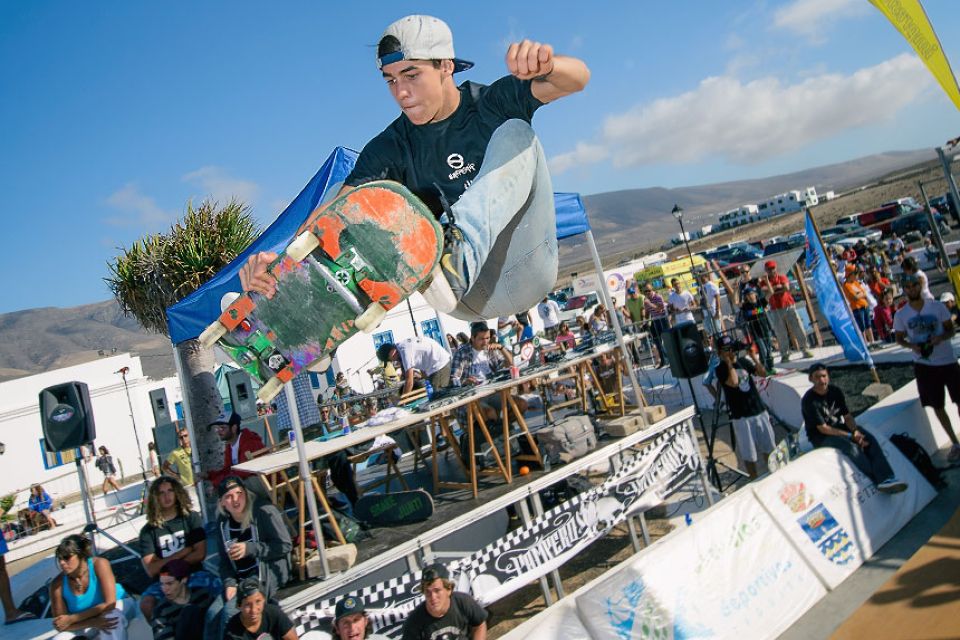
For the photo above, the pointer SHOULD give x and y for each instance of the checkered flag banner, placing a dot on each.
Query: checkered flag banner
(544, 544)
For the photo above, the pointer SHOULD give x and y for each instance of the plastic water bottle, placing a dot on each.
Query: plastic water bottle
(345, 424)
(293, 437)
(429, 388)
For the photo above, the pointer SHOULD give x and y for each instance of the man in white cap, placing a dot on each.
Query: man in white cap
(448, 139)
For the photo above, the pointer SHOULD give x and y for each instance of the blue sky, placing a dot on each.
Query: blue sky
(115, 114)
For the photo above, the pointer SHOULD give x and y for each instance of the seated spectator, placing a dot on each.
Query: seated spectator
(256, 617)
(883, 316)
(829, 423)
(877, 282)
(180, 613)
(40, 504)
(478, 360)
(444, 612)
(238, 445)
(598, 319)
(86, 601)
(252, 542)
(751, 422)
(350, 620)
(172, 532)
(11, 614)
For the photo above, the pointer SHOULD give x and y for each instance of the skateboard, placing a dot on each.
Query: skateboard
(398, 508)
(353, 259)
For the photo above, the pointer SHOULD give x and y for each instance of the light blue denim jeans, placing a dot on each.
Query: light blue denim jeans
(509, 226)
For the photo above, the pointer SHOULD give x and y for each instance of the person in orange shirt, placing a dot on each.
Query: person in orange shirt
(856, 293)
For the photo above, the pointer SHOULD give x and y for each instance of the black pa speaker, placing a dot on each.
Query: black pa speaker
(242, 398)
(685, 352)
(66, 416)
(158, 403)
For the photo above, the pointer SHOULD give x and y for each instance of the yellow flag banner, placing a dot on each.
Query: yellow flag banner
(911, 20)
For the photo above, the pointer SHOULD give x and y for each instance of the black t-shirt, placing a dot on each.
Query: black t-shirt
(246, 566)
(827, 409)
(464, 614)
(172, 536)
(743, 400)
(167, 614)
(273, 622)
(444, 157)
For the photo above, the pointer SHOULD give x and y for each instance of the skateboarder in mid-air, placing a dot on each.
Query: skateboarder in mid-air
(470, 154)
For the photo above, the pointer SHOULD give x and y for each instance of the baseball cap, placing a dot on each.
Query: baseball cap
(227, 484)
(770, 264)
(434, 571)
(177, 568)
(632, 290)
(422, 38)
(248, 587)
(850, 268)
(226, 418)
(348, 606)
(947, 297)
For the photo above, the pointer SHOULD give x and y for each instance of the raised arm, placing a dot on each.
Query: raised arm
(553, 76)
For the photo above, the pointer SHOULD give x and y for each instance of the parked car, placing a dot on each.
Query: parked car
(830, 233)
(784, 245)
(849, 221)
(882, 218)
(917, 222)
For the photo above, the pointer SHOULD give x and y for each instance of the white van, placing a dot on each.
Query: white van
(849, 221)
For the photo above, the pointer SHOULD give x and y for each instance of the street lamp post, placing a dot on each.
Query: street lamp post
(143, 470)
(678, 214)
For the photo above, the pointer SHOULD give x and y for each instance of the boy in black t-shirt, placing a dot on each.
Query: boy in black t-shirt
(172, 532)
(258, 619)
(751, 422)
(455, 615)
(469, 152)
(829, 423)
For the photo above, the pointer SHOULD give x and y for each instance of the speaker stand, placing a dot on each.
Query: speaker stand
(92, 527)
(710, 440)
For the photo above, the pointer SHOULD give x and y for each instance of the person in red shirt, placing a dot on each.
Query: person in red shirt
(877, 283)
(238, 442)
(883, 316)
(783, 312)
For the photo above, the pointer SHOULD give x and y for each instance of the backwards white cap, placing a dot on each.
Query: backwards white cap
(422, 38)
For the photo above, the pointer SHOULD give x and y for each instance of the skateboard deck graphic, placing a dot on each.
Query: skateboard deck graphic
(401, 507)
(353, 259)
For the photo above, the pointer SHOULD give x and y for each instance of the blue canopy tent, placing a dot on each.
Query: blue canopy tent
(188, 318)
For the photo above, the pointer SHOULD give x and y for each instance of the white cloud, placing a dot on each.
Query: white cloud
(749, 123)
(221, 187)
(811, 17)
(139, 210)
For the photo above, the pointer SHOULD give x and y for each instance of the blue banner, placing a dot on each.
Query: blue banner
(831, 300)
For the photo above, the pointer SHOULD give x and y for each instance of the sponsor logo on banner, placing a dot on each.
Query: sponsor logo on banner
(794, 496)
(544, 544)
(824, 531)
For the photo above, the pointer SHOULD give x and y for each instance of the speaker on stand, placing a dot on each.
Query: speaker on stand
(66, 418)
(688, 359)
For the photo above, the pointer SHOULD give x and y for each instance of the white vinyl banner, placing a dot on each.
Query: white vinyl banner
(731, 575)
(834, 514)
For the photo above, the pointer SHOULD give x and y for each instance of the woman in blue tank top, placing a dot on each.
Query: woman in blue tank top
(86, 600)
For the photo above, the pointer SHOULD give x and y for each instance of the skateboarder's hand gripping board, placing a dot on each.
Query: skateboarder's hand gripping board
(353, 260)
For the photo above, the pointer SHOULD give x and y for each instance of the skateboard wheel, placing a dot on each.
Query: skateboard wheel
(302, 246)
(319, 365)
(438, 293)
(269, 390)
(370, 319)
(212, 333)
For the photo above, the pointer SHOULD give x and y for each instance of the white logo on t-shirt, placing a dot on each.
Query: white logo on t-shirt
(455, 160)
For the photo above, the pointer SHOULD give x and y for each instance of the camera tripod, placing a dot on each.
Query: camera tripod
(710, 439)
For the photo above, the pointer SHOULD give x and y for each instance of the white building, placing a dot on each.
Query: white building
(25, 460)
(743, 215)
